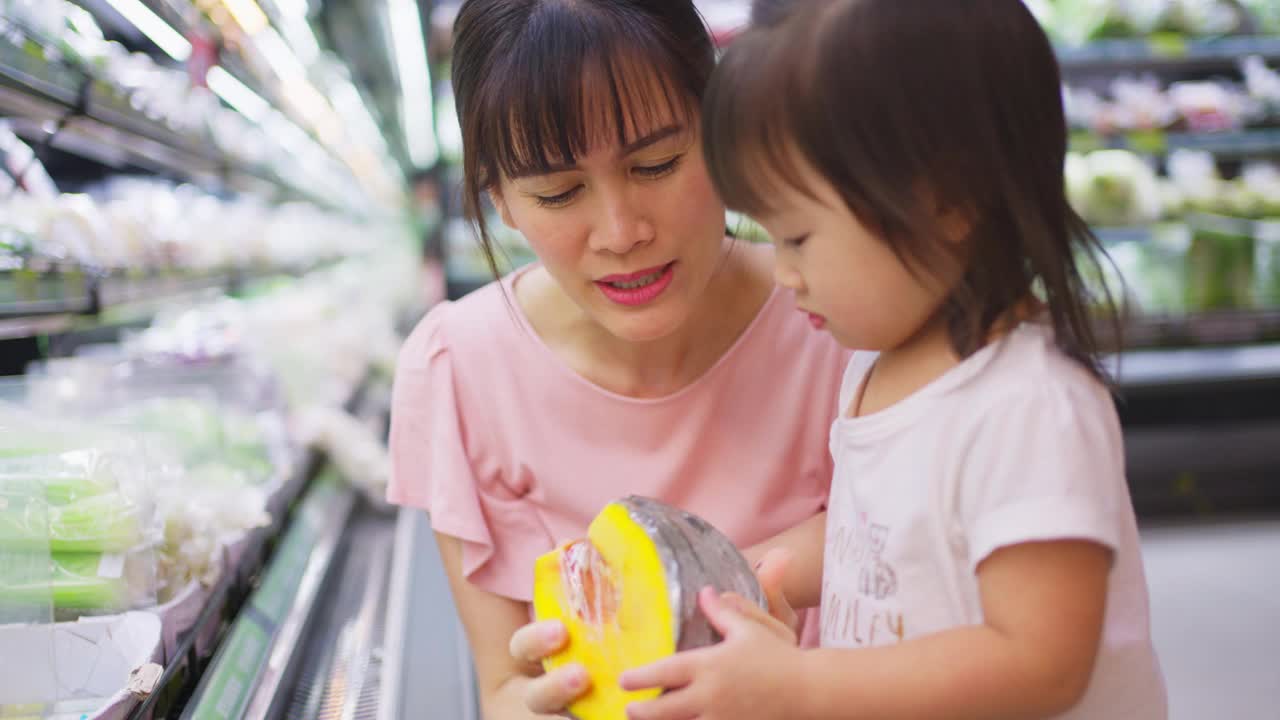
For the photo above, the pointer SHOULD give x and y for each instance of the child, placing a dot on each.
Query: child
(981, 553)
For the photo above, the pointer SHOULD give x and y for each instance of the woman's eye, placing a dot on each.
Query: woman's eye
(657, 171)
(558, 200)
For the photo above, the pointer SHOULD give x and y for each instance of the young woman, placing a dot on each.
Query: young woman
(646, 352)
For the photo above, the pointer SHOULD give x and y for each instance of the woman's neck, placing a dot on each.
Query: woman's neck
(658, 368)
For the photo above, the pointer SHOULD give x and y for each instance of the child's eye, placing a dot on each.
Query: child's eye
(795, 242)
(558, 200)
(657, 171)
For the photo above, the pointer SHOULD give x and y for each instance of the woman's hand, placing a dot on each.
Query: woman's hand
(745, 676)
(550, 693)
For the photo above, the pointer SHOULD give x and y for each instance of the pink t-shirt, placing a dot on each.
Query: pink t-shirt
(512, 452)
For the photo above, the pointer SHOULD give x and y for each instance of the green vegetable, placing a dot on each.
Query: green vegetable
(1220, 270)
(107, 522)
(202, 433)
(74, 582)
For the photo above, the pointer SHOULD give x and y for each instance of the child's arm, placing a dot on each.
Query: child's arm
(1044, 605)
(802, 581)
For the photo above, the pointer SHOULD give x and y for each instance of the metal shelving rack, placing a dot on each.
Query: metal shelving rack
(56, 103)
(1200, 395)
(1166, 53)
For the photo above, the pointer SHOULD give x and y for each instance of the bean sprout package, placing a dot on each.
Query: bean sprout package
(628, 594)
(77, 524)
(214, 464)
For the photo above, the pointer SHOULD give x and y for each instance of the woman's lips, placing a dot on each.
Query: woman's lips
(638, 288)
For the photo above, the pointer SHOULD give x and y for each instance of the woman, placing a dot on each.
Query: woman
(646, 353)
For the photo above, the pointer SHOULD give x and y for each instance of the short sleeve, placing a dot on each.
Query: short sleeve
(1046, 464)
(431, 469)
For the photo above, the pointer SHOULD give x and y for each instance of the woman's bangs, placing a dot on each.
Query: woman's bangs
(558, 104)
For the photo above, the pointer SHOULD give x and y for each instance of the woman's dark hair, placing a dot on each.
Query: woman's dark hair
(538, 82)
(912, 111)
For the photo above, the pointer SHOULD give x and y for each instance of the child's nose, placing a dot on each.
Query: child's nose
(787, 277)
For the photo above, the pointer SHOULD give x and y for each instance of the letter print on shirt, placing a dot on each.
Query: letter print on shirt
(859, 599)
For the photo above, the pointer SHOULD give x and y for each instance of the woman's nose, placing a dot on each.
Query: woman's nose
(623, 227)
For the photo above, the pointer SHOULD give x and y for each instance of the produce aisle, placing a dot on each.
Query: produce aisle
(218, 221)
(209, 256)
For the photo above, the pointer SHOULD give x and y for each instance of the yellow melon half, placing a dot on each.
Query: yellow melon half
(612, 594)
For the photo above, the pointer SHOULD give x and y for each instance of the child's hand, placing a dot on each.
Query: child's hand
(743, 677)
(770, 572)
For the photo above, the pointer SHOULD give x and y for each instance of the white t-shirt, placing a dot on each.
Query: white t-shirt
(1017, 443)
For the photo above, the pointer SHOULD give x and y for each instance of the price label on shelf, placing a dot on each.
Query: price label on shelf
(1167, 45)
(1149, 142)
(1085, 141)
(236, 675)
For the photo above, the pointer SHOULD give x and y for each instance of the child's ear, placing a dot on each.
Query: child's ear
(500, 204)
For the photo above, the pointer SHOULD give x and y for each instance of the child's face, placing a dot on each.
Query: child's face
(845, 277)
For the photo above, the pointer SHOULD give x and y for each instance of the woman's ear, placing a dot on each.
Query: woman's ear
(500, 204)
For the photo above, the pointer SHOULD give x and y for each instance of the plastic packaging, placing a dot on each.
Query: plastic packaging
(26, 576)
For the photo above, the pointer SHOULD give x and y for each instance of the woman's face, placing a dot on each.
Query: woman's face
(632, 233)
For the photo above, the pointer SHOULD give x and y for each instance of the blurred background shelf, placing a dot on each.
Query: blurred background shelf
(1171, 53)
(1237, 144)
(53, 103)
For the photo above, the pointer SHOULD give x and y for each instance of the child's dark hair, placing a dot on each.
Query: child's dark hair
(910, 109)
(537, 81)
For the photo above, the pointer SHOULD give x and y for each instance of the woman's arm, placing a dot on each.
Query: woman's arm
(804, 545)
(508, 686)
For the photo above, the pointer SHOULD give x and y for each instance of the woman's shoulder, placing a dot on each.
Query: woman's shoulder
(475, 325)
(787, 327)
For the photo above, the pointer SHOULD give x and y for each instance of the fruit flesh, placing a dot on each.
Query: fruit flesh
(611, 593)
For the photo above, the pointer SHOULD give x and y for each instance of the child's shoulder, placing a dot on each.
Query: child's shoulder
(1028, 371)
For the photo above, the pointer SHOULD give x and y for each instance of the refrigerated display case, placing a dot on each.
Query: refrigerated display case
(205, 249)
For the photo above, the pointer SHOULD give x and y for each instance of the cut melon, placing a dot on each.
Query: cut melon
(628, 595)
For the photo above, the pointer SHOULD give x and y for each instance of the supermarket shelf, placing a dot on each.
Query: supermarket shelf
(94, 121)
(1148, 369)
(31, 293)
(34, 326)
(1234, 144)
(1116, 235)
(1167, 53)
(119, 300)
(292, 536)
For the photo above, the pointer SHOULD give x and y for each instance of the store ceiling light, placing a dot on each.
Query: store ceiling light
(301, 39)
(247, 15)
(416, 106)
(293, 8)
(238, 95)
(283, 61)
(170, 41)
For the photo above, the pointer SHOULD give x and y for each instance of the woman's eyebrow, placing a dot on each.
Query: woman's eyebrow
(632, 147)
(652, 138)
